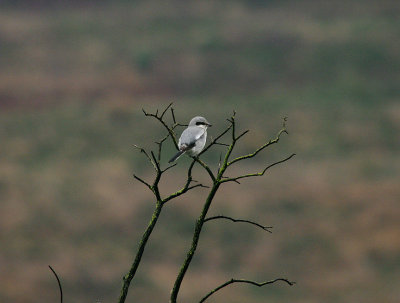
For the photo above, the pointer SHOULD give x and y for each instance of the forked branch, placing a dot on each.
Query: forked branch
(142, 150)
(161, 120)
(235, 179)
(186, 187)
(270, 142)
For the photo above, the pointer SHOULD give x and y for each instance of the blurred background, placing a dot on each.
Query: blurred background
(74, 76)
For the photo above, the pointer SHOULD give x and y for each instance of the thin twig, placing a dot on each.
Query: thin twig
(215, 141)
(142, 181)
(173, 115)
(58, 282)
(206, 167)
(142, 150)
(270, 142)
(230, 148)
(187, 186)
(219, 162)
(169, 167)
(198, 185)
(222, 144)
(235, 179)
(160, 118)
(162, 115)
(231, 281)
(266, 228)
(160, 143)
(241, 135)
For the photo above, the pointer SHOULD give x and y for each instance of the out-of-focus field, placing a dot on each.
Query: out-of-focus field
(73, 80)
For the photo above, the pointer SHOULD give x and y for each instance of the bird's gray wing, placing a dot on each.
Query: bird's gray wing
(191, 135)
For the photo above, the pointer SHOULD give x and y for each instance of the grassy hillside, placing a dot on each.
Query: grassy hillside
(73, 80)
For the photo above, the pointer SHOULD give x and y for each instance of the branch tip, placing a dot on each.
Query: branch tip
(241, 135)
(266, 228)
(58, 282)
(173, 115)
(165, 110)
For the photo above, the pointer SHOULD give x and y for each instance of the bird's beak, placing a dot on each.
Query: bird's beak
(209, 125)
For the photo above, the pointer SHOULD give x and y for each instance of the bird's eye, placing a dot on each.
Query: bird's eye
(199, 123)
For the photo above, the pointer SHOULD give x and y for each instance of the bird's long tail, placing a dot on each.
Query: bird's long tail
(177, 155)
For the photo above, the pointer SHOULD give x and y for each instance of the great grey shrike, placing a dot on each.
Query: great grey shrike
(193, 138)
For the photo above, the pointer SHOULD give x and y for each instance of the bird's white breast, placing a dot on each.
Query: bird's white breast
(198, 147)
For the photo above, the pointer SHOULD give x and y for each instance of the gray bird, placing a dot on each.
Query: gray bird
(193, 138)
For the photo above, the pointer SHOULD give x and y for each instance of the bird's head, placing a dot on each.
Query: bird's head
(199, 121)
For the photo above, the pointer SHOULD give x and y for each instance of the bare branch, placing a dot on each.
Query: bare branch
(235, 179)
(155, 162)
(226, 177)
(162, 115)
(215, 141)
(270, 142)
(127, 279)
(160, 118)
(197, 185)
(186, 187)
(231, 281)
(241, 135)
(232, 121)
(266, 228)
(222, 144)
(171, 166)
(160, 143)
(58, 282)
(144, 182)
(230, 148)
(142, 150)
(219, 162)
(173, 115)
(205, 167)
(284, 120)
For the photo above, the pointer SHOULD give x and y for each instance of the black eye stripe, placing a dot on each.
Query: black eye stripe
(200, 123)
